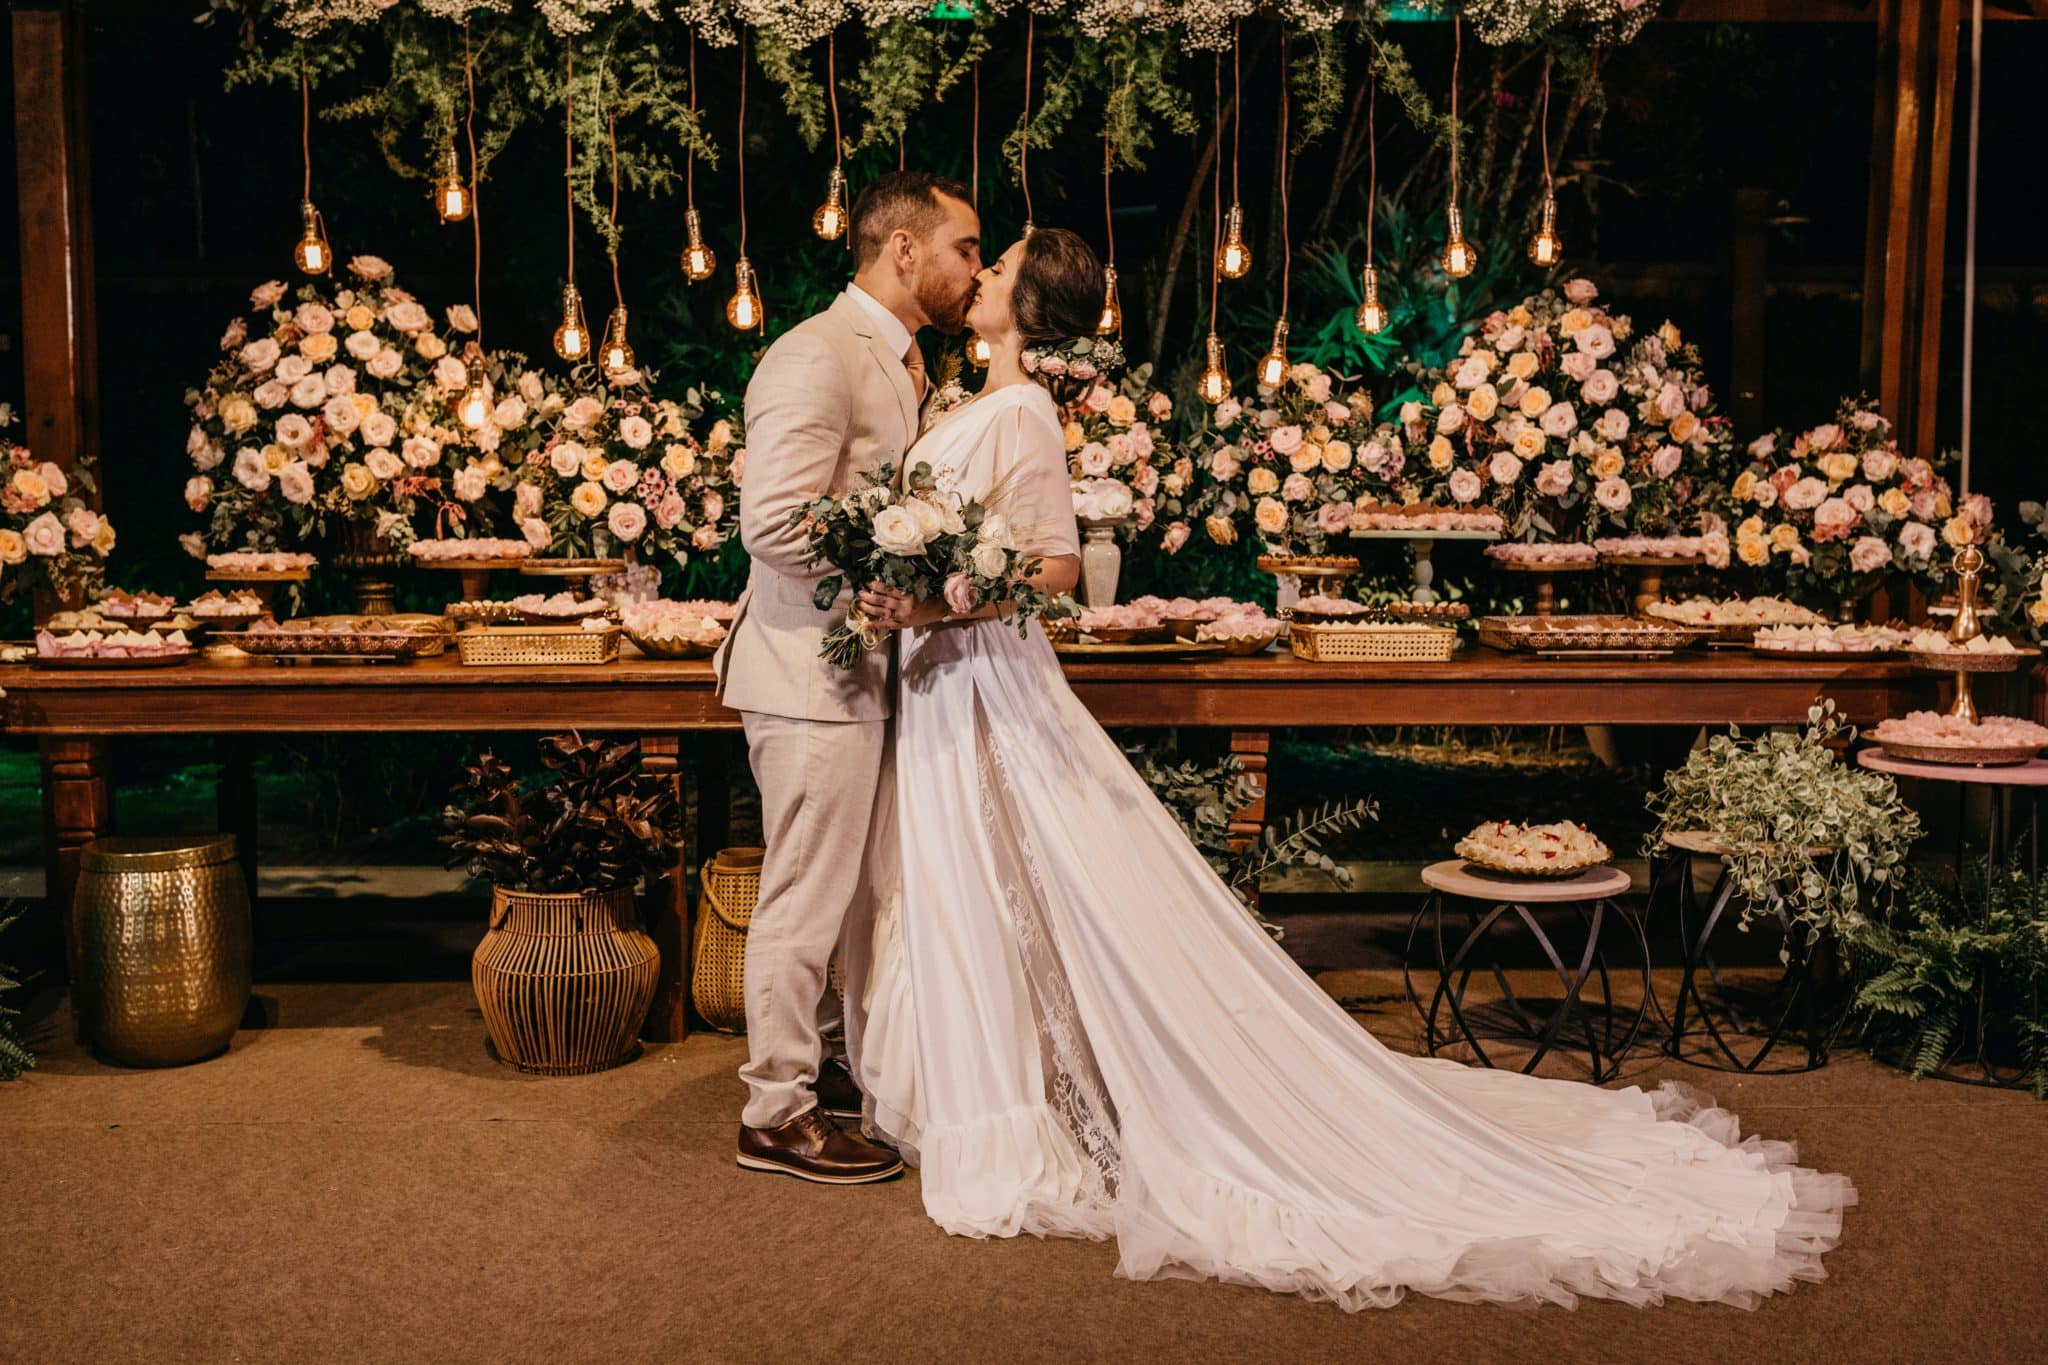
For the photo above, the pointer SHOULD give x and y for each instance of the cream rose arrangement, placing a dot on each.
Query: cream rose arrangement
(621, 470)
(313, 417)
(1124, 435)
(1570, 424)
(50, 534)
(1291, 462)
(1823, 516)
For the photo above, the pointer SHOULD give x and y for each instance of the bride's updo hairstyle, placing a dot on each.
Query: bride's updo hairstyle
(1056, 297)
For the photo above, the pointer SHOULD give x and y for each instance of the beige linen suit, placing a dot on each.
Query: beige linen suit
(828, 406)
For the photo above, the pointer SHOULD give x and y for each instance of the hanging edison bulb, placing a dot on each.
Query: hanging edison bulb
(1029, 227)
(312, 253)
(1233, 258)
(615, 355)
(572, 338)
(1546, 248)
(451, 195)
(698, 259)
(1371, 316)
(978, 351)
(1460, 257)
(1111, 323)
(829, 221)
(743, 309)
(1214, 385)
(1273, 365)
(475, 407)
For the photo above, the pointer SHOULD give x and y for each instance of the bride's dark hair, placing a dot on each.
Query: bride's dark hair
(1056, 297)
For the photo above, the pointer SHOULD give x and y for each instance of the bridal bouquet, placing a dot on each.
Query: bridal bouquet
(923, 541)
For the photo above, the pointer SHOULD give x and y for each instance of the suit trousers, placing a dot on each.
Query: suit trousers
(818, 781)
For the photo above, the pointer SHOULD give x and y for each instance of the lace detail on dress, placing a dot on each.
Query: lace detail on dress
(1074, 1088)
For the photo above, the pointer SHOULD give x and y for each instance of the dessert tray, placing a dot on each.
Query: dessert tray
(1582, 636)
(1800, 641)
(115, 648)
(1986, 654)
(215, 606)
(558, 609)
(1531, 557)
(253, 566)
(672, 630)
(1320, 609)
(338, 639)
(1736, 620)
(1931, 737)
(1424, 520)
(1562, 849)
(480, 552)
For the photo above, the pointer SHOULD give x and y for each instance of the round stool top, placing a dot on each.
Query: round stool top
(2033, 773)
(1703, 842)
(1457, 877)
(156, 854)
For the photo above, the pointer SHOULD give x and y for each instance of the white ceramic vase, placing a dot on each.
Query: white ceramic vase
(1102, 560)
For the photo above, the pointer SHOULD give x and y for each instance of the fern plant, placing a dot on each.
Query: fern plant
(1202, 798)
(15, 1056)
(1922, 966)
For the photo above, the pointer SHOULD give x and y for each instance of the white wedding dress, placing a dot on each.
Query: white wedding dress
(1068, 1022)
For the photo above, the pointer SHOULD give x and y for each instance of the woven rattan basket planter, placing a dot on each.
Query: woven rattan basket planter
(1333, 644)
(498, 646)
(718, 970)
(565, 979)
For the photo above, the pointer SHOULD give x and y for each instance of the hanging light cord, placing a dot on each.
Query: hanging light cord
(1547, 186)
(1372, 159)
(1236, 106)
(1286, 242)
(742, 142)
(569, 158)
(476, 231)
(1108, 218)
(1970, 237)
(1457, 51)
(611, 134)
(306, 125)
(690, 161)
(1216, 201)
(1024, 146)
(974, 142)
(832, 89)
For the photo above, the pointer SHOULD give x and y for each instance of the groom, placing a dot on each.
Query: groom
(830, 403)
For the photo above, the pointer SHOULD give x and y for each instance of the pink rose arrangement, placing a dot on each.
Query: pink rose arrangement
(1290, 464)
(623, 471)
(1827, 513)
(50, 535)
(310, 419)
(1123, 434)
(1559, 416)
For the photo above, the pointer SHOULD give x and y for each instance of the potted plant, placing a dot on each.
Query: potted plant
(565, 973)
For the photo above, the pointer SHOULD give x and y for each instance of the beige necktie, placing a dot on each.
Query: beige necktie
(913, 361)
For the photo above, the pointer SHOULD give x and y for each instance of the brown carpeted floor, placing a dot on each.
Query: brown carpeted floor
(360, 1181)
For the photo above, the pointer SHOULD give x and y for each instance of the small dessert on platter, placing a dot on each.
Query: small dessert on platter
(121, 605)
(1529, 554)
(1554, 850)
(1827, 639)
(447, 551)
(1935, 737)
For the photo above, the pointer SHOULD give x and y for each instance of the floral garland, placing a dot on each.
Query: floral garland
(1288, 465)
(1080, 358)
(1839, 507)
(311, 419)
(49, 532)
(622, 471)
(1609, 22)
(1553, 416)
(1119, 437)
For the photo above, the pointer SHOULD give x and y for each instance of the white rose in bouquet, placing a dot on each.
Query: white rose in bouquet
(989, 560)
(897, 532)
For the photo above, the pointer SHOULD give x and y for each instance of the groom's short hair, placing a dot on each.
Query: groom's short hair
(905, 201)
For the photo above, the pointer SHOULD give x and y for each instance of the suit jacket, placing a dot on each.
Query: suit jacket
(827, 407)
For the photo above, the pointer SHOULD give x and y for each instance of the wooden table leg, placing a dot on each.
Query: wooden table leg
(1249, 823)
(78, 807)
(714, 792)
(667, 910)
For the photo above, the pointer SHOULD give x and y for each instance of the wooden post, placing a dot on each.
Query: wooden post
(1908, 216)
(60, 383)
(1248, 824)
(78, 807)
(667, 910)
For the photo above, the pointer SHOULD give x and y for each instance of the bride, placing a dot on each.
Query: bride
(1067, 1021)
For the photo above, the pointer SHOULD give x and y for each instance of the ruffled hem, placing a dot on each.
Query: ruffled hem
(1654, 1243)
(1018, 1171)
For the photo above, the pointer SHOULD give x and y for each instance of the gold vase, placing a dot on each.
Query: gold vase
(160, 931)
(370, 562)
(564, 979)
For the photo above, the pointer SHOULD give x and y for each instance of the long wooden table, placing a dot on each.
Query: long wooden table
(75, 714)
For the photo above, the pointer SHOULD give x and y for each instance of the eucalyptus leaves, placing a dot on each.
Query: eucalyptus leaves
(1800, 828)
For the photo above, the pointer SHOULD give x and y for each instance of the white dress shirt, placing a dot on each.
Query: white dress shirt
(889, 328)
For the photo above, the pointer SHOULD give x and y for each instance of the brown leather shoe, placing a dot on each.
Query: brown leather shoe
(837, 1094)
(812, 1147)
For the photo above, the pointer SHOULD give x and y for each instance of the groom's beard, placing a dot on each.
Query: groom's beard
(947, 311)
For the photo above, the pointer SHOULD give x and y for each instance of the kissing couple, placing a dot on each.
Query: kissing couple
(1052, 1007)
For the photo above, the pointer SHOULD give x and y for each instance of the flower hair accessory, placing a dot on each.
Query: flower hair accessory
(1077, 357)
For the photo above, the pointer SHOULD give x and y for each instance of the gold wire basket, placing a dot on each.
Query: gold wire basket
(500, 646)
(718, 958)
(1338, 644)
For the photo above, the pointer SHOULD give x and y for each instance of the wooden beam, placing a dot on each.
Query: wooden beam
(60, 387)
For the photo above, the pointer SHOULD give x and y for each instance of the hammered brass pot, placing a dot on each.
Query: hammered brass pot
(161, 939)
(565, 979)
